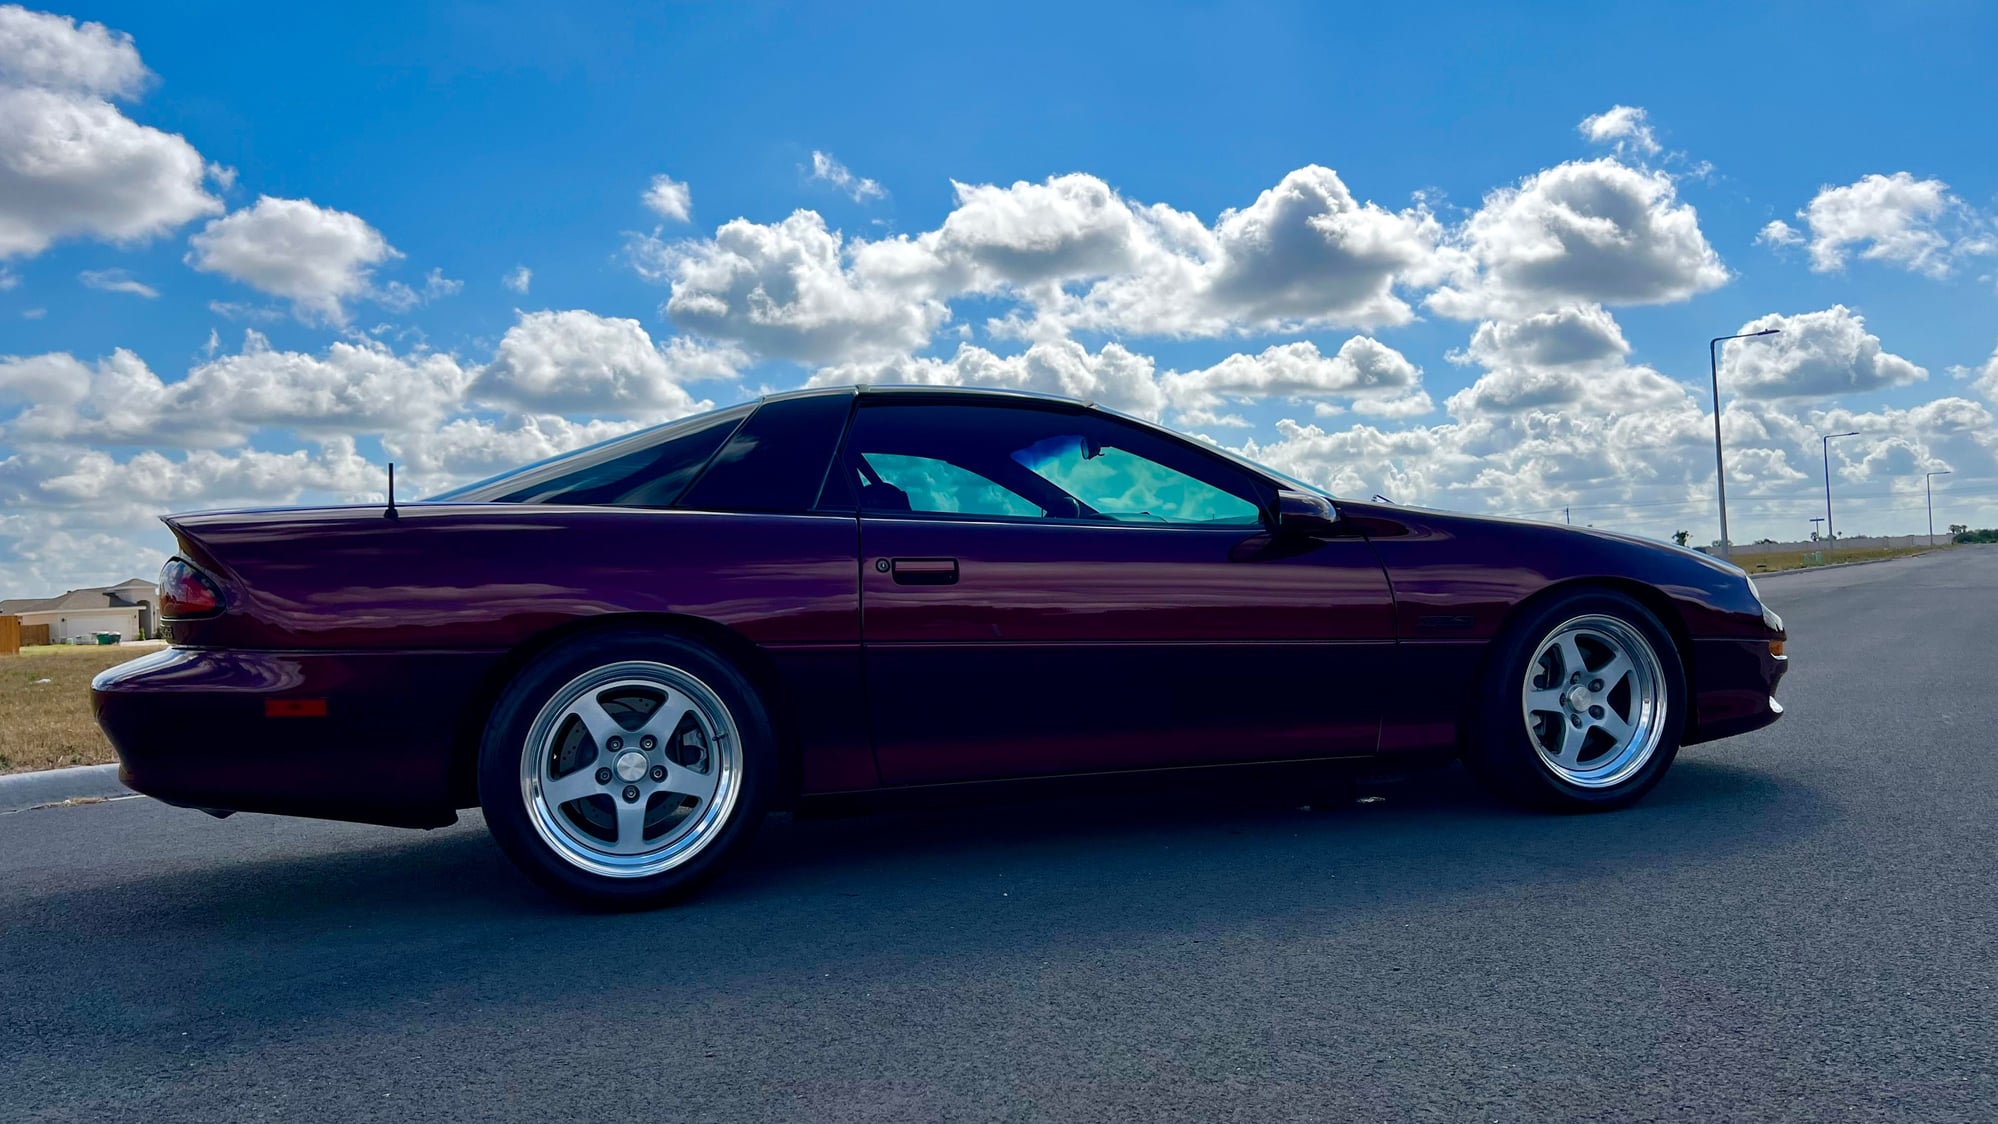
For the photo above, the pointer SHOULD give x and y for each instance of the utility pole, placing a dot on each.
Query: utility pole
(1831, 536)
(1565, 518)
(1720, 464)
(1927, 490)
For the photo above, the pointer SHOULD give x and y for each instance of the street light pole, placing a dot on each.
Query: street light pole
(1720, 462)
(1930, 492)
(1831, 536)
(1815, 520)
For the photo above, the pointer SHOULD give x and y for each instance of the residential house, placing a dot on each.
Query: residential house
(125, 608)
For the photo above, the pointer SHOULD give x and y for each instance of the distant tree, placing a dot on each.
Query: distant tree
(1982, 534)
(1958, 528)
(1680, 537)
(1765, 542)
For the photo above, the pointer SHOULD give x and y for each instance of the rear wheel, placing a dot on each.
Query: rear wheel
(625, 768)
(1583, 705)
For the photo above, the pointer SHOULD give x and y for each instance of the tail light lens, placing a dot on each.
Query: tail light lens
(187, 592)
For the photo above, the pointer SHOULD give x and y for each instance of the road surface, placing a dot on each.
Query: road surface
(1799, 924)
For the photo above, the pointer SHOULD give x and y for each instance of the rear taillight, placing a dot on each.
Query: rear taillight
(186, 592)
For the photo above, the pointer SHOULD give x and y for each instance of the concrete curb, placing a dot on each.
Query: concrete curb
(21, 791)
(1767, 574)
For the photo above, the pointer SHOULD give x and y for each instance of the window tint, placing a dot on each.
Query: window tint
(1027, 462)
(939, 486)
(777, 460)
(646, 469)
(1124, 486)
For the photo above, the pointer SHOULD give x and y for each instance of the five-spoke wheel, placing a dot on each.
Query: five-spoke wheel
(1592, 697)
(625, 767)
(629, 768)
(1582, 704)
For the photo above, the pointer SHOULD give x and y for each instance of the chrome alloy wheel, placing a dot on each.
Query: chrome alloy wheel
(1594, 701)
(631, 769)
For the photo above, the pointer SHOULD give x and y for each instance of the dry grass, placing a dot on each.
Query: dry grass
(1799, 559)
(48, 725)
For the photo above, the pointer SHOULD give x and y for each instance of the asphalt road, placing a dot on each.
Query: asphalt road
(1799, 924)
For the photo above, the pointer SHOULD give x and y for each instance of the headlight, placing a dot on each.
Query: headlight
(1769, 616)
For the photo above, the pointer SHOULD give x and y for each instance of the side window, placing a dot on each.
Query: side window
(1119, 484)
(938, 486)
(1023, 462)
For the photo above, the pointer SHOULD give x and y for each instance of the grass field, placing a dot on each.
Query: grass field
(48, 725)
(1799, 559)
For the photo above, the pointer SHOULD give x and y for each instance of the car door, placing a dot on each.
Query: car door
(1051, 590)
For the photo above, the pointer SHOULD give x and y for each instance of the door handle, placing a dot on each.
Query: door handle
(924, 571)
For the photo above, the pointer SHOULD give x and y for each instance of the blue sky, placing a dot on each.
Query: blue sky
(1532, 301)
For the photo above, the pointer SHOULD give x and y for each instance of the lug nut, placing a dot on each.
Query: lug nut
(603, 776)
(1595, 684)
(631, 794)
(648, 743)
(659, 772)
(1595, 712)
(1575, 718)
(1575, 678)
(615, 744)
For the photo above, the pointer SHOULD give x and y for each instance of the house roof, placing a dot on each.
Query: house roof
(124, 595)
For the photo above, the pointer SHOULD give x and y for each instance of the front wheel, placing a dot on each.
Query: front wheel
(1583, 705)
(624, 769)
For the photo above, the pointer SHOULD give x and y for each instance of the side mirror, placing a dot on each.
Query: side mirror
(1305, 514)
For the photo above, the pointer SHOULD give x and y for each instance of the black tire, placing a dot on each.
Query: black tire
(1499, 745)
(506, 742)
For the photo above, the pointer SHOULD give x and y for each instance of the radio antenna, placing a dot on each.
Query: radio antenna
(391, 513)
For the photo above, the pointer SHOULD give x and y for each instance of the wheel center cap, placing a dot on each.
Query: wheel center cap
(1578, 699)
(630, 765)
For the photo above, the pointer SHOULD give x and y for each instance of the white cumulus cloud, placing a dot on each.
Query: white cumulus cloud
(1365, 373)
(669, 198)
(1896, 219)
(1778, 233)
(71, 163)
(829, 170)
(787, 290)
(1595, 231)
(1818, 354)
(576, 361)
(316, 257)
(1625, 127)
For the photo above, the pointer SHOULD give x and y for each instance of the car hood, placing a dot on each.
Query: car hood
(1443, 520)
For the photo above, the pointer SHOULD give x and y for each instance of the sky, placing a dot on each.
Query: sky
(1459, 255)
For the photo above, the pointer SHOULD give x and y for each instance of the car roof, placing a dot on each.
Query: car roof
(968, 393)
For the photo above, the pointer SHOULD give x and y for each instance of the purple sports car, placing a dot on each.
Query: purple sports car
(627, 655)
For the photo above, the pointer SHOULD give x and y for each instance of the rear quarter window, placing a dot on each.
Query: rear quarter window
(649, 469)
(777, 460)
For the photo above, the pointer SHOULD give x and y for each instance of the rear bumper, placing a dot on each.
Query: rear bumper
(362, 736)
(1734, 688)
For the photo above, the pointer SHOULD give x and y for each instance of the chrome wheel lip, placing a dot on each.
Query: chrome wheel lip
(1647, 704)
(696, 830)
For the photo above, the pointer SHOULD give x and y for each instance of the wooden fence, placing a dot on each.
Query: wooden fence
(10, 636)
